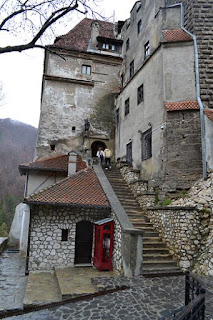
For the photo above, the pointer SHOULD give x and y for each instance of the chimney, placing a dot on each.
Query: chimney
(94, 34)
(72, 162)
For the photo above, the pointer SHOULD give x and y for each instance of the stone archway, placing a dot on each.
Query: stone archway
(95, 146)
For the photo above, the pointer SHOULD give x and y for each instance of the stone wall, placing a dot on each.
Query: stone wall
(46, 248)
(142, 190)
(186, 226)
(117, 258)
(184, 229)
(181, 154)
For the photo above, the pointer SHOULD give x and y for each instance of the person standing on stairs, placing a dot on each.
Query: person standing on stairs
(100, 155)
(107, 155)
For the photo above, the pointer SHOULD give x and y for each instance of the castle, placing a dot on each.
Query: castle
(140, 87)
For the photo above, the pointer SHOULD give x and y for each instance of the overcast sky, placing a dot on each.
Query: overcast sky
(21, 73)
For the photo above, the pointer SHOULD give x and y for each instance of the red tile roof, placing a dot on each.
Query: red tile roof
(56, 164)
(80, 189)
(182, 105)
(78, 38)
(209, 113)
(176, 35)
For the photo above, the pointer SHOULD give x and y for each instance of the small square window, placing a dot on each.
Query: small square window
(126, 107)
(139, 26)
(73, 128)
(131, 69)
(105, 46)
(85, 69)
(52, 147)
(64, 234)
(146, 50)
(127, 44)
(140, 94)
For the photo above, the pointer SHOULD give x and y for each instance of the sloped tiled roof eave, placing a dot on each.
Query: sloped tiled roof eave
(57, 163)
(176, 35)
(80, 189)
(182, 105)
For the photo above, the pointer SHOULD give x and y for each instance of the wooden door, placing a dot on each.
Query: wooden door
(83, 242)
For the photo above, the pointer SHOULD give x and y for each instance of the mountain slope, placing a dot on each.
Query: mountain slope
(17, 145)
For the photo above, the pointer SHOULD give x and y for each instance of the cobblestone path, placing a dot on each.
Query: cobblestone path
(147, 299)
(12, 281)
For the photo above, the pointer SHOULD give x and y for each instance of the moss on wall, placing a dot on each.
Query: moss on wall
(103, 116)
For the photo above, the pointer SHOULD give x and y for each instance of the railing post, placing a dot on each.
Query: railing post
(187, 288)
(203, 291)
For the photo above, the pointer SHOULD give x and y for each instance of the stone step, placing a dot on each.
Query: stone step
(151, 234)
(142, 224)
(160, 257)
(145, 228)
(154, 250)
(154, 264)
(161, 272)
(154, 244)
(156, 256)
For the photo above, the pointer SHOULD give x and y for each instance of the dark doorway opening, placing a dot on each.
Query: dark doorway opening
(95, 146)
(129, 153)
(83, 242)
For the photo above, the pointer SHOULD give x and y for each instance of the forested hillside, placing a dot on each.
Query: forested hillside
(17, 145)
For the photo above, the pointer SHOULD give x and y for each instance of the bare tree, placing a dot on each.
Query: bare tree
(31, 19)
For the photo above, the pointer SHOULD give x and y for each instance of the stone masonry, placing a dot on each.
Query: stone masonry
(186, 226)
(46, 248)
(181, 155)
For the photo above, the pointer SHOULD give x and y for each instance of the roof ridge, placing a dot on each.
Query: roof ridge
(36, 161)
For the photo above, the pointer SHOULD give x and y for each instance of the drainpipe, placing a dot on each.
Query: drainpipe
(197, 77)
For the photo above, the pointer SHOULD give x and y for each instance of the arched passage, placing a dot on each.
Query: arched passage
(95, 146)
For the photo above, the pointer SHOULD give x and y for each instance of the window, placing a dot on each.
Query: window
(126, 111)
(121, 81)
(146, 50)
(64, 234)
(117, 117)
(129, 153)
(52, 147)
(85, 69)
(146, 144)
(105, 46)
(127, 44)
(73, 128)
(108, 46)
(131, 70)
(139, 26)
(140, 94)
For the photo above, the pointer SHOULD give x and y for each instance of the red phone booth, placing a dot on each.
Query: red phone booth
(103, 244)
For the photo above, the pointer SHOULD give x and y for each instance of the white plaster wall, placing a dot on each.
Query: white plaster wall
(151, 110)
(178, 72)
(38, 181)
(18, 235)
(209, 142)
(67, 104)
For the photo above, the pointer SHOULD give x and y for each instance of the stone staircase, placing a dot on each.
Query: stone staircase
(157, 261)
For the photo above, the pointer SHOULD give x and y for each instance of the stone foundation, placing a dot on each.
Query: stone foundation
(144, 192)
(184, 229)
